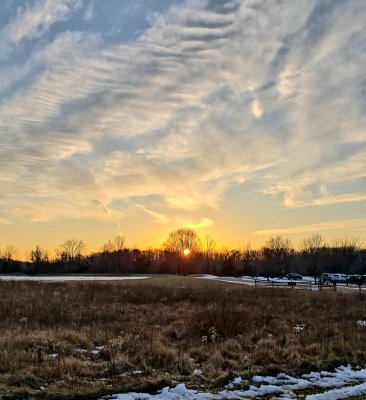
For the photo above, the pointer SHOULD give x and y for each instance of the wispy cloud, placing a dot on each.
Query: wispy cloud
(204, 223)
(158, 218)
(89, 12)
(32, 22)
(349, 224)
(342, 198)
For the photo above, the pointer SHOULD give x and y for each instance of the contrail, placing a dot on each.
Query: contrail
(119, 227)
(108, 212)
(104, 207)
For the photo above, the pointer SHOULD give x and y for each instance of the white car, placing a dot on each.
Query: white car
(326, 277)
(339, 278)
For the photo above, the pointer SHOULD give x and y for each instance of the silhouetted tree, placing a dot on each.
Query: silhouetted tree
(182, 239)
(248, 257)
(8, 262)
(345, 251)
(209, 249)
(276, 253)
(72, 250)
(313, 248)
(115, 255)
(9, 253)
(115, 244)
(229, 260)
(177, 242)
(38, 255)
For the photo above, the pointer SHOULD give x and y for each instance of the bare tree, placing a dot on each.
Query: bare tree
(313, 248)
(10, 253)
(72, 249)
(114, 249)
(228, 261)
(276, 253)
(119, 243)
(115, 244)
(180, 244)
(183, 239)
(248, 256)
(38, 255)
(345, 250)
(209, 248)
(108, 247)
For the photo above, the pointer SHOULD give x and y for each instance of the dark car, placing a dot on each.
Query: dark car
(356, 279)
(294, 277)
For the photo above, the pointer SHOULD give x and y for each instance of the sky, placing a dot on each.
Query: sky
(240, 119)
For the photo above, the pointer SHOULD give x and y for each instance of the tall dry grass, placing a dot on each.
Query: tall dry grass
(166, 327)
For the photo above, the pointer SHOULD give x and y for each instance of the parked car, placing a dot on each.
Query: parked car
(326, 277)
(340, 278)
(337, 278)
(294, 276)
(356, 279)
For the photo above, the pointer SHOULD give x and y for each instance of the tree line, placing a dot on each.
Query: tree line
(184, 252)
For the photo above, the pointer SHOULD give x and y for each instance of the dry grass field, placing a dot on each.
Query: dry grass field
(80, 340)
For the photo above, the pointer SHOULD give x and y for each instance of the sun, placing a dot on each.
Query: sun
(186, 252)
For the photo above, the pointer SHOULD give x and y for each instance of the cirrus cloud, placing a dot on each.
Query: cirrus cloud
(165, 112)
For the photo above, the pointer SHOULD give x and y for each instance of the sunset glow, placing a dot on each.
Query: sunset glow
(186, 252)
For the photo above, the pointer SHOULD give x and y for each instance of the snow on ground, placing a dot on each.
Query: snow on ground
(177, 393)
(208, 277)
(51, 356)
(251, 281)
(343, 383)
(306, 283)
(244, 280)
(65, 278)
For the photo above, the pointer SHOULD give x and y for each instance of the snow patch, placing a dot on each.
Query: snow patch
(345, 382)
(51, 356)
(210, 277)
(298, 328)
(68, 278)
(177, 393)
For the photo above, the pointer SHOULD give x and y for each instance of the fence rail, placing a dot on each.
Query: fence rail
(278, 283)
(305, 284)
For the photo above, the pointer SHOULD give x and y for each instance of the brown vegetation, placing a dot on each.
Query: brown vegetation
(166, 327)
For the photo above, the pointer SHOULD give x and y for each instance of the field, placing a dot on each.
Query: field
(65, 340)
